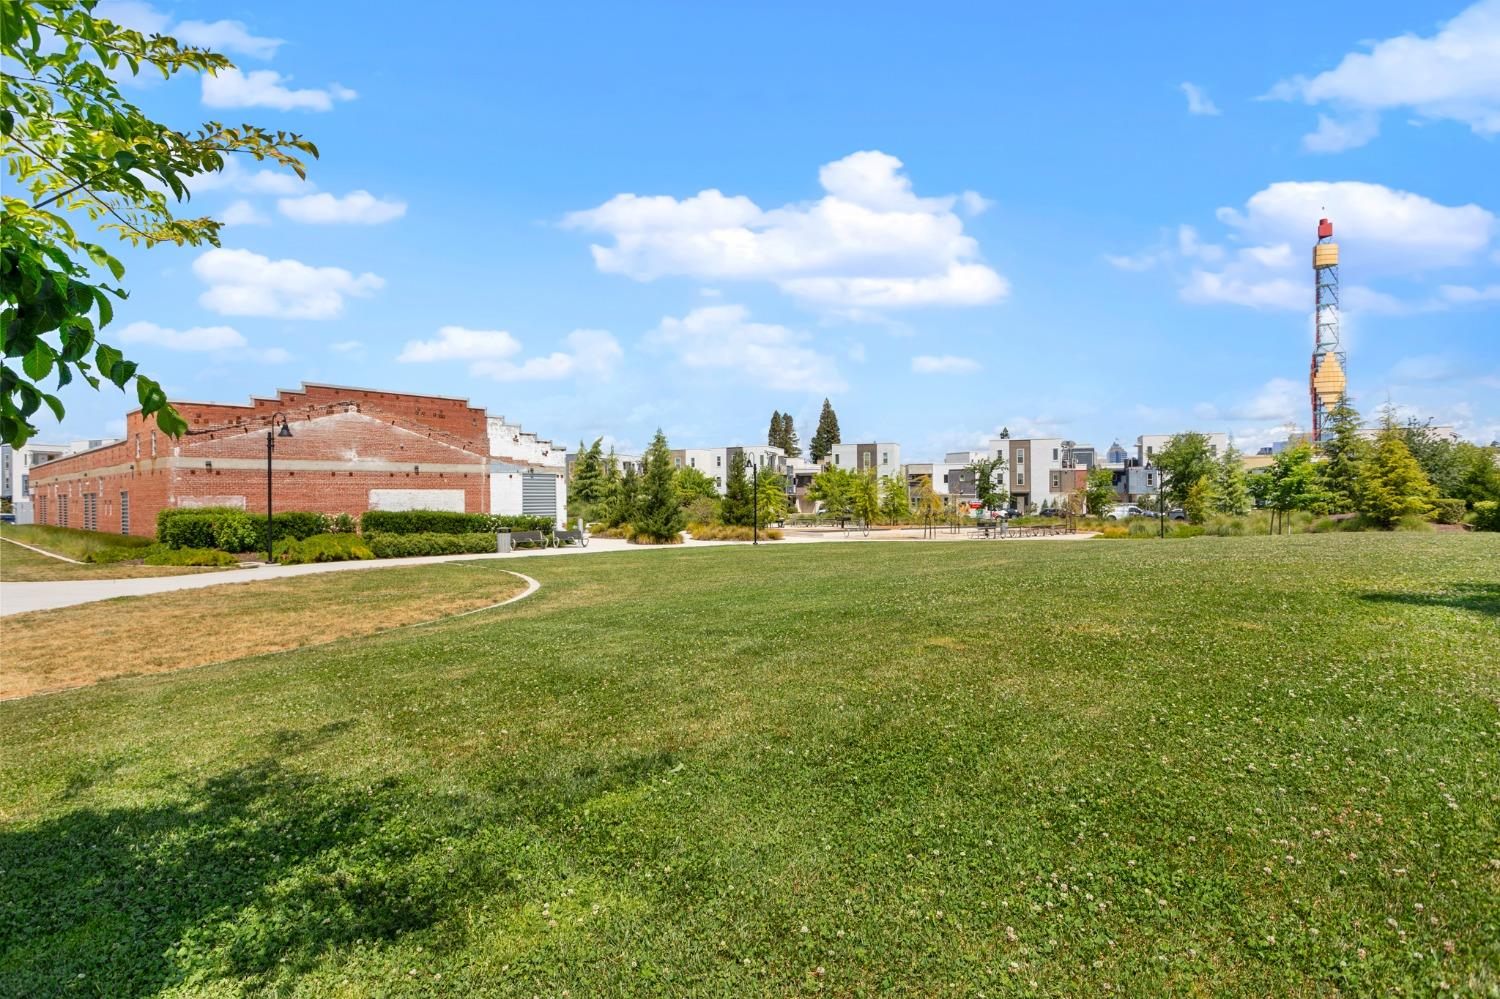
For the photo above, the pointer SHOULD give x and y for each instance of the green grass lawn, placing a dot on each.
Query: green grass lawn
(18, 565)
(1255, 766)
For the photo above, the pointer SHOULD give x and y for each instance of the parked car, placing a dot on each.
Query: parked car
(1177, 513)
(1123, 511)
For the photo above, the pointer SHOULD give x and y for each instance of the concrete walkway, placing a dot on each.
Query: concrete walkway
(19, 598)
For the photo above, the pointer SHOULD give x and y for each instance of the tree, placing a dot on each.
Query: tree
(1393, 485)
(775, 434)
(658, 512)
(827, 434)
(619, 504)
(789, 442)
(1293, 484)
(929, 504)
(1200, 500)
(1344, 453)
(832, 488)
(770, 489)
(1184, 461)
(738, 506)
(895, 499)
(864, 496)
(692, 484)
(589, 482)
(987, 476)
(1439, 457)
(73, 144)
(1099, 491)
(1230, 494)
(1480, 481)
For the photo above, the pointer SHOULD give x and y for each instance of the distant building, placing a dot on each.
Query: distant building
(883, 458)
(1147, 446)
(17, 463)
(350, 450)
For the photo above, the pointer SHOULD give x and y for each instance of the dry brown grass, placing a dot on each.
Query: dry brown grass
(75, 646)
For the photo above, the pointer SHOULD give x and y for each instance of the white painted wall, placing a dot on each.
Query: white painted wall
(417, 499)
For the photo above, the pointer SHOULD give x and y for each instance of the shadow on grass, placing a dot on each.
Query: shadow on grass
(265, 871)
(1482, 598)
(258, 870)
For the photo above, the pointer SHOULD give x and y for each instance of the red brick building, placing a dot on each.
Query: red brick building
(351, 450)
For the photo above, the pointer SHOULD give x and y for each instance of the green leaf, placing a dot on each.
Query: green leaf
(54, 404)
(38, 361)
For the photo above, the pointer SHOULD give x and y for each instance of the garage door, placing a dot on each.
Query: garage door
(539, 495)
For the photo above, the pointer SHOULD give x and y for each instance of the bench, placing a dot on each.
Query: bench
(561, 538)
(528, 538)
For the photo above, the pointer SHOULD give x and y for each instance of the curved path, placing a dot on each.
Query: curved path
(19, 598)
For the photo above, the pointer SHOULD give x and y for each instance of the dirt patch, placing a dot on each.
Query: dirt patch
(54, 650)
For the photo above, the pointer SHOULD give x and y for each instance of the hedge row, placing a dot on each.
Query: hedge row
(231, 529)
(448, 522)
(430, 543)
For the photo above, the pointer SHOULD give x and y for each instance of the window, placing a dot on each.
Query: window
(124, 513)
(1213, 449)
(25, 485)
(153, 443)
(62, 510)
(90, 511)
(836, 460)
(945, 478)
(1149, 450)
(1054, 454)
(885, 457)
(692, 462)
(718, 461)
(41, 509)
(1020, 478)
(1021, 456)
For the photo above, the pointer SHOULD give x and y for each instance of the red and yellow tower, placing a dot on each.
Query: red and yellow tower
(1326, 381)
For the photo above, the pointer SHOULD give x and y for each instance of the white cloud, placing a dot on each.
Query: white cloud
(226, 36)
(1335, 135)
(943, 364)
(1198, 101)
(354, 208)
(234, 177)
(455, 343)
(242, 283)
(974, 203)
(242, 212)
(233, 88)
(1465, 295)
(133, 14)
(591, 352)
(722, 337)
(1423, 368)
(223, 340)
(1453, 75)
(347, 347)
(870, 242)
(199, 338)
(1385, 233)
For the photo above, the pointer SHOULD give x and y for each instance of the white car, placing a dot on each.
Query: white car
(1123, 511)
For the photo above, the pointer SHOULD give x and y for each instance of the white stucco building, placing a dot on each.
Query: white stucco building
(528, 475)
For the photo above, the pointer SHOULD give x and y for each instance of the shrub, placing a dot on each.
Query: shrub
(1486, 515)
(448, 522)
(342, 524)
(106, 556)
(730, 532)
(291, 524)
(225, 528)
(430, 543)
(702, 510)
(161, 555)
(1449, 511)
(323, 548)
(1412, 522)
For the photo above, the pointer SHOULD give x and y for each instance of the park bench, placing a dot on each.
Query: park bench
(561, 538)
(528, 538)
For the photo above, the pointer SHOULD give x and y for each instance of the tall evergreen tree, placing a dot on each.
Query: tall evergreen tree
(588, 484)
(789, 442)
(1344, 454)
(827, 434)
(1231, 495)
(1393, 484)
(774, 435)
(658, 511)
(738, 506)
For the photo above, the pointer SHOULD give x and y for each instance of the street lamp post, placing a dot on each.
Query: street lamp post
(271, 435)
(755, 503)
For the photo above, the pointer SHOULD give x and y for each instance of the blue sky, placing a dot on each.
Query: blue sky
(1095, 225)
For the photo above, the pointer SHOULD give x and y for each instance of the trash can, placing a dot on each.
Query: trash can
(502, 542)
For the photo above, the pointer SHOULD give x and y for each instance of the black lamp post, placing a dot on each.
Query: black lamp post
(755, 503)
(271, 435)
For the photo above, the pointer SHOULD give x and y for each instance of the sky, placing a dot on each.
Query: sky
(600, 219)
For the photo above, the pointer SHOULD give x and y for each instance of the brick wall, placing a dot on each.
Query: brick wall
(345, 443)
